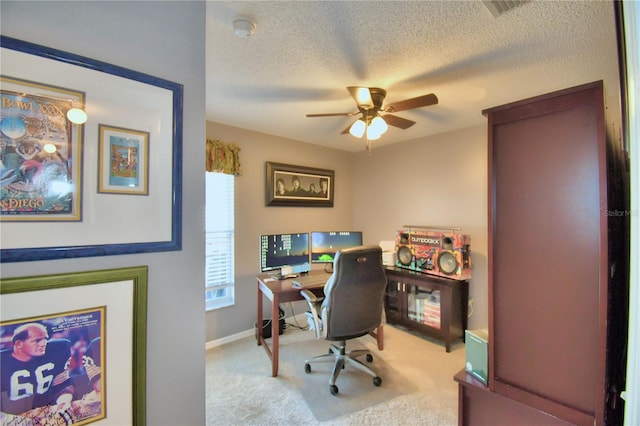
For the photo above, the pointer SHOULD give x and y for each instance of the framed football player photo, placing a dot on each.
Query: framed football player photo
(73, 348)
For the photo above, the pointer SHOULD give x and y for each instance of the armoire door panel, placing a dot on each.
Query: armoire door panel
(546, 276)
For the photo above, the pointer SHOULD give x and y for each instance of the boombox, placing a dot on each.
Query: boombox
(447, 254)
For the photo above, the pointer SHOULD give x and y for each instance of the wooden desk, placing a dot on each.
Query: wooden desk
(278, 291)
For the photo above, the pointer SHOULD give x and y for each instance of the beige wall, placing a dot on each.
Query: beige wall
(439, 180)
(253, 218)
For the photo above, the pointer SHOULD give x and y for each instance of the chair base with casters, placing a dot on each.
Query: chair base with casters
(342, 358)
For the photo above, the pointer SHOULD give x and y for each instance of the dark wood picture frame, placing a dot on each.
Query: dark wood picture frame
(298, 186)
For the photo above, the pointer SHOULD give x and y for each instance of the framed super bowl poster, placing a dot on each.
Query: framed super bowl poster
(40, 152)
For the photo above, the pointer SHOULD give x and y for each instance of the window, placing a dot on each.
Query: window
(219, 230)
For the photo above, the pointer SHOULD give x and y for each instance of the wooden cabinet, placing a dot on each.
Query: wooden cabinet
(479, 406)
(553, 276)
(432, 305)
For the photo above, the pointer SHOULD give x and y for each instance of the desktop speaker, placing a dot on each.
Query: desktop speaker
(446, 254)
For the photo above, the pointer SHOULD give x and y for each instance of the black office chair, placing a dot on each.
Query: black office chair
(352, 306)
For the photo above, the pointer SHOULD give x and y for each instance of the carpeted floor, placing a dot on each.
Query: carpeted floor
(356, 389)
(417, 388)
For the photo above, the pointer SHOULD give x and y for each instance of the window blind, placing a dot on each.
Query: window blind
(219, 240)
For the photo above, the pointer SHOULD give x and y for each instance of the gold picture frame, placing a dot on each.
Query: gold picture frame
(123, 160)
(40, 152)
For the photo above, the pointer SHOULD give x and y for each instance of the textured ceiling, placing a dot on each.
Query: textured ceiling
(304, 54)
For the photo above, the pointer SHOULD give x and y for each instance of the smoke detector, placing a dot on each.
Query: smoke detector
(243, 27)
(498, 7)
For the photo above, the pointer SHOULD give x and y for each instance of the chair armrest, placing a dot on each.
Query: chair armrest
(313, 319)
(310, 297)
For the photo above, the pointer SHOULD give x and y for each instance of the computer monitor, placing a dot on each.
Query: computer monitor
(278, 250)
(324, 245)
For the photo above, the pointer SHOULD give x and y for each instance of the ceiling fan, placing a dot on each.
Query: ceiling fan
(374, 116)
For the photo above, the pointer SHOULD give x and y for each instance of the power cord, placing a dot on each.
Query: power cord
(297, 324)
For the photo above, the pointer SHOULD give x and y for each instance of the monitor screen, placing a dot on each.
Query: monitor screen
(324, 245)
(280, 250)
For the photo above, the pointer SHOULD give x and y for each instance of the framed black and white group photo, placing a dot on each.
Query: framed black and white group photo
(298, 186)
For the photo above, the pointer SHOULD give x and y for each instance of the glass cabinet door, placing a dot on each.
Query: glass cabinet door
(392, 302)
(423, 306)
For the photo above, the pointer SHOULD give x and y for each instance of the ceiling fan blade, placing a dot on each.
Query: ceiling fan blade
(335, 114)
(420, 101)
(396, 121)
(362, 96)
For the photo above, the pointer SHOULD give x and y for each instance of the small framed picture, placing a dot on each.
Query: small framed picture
(123, 161)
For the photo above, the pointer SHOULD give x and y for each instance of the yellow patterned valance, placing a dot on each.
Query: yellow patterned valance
(223, 157)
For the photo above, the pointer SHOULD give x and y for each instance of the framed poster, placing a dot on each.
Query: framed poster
(40, 153)
(101, 217)
(298, 186)
(123, 161)
(74, 348)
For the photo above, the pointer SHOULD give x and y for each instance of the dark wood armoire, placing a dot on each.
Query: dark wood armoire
(557, 266)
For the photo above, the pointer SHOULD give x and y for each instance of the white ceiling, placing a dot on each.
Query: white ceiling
(304, 54)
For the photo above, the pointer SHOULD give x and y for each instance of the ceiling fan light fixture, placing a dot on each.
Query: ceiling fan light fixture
(357, 128)
(363, 97)
(379, 125)
(373, 134)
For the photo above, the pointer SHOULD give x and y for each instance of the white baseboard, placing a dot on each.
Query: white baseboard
(301, 319)
(228, 339)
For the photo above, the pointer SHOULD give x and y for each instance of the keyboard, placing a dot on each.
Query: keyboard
(310, 281)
